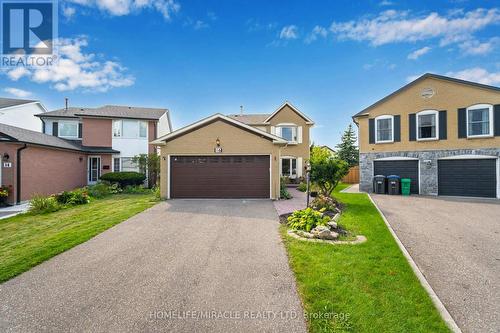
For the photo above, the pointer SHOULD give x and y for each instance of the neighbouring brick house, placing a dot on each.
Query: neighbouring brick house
(76, 147)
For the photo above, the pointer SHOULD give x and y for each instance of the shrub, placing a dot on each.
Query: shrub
(302, 187)
(99, 190)
(135, 189)
(124, 178)
(41, 204)
(306, 219)
(63, 197)
(284, 194)
(80, 196)
(324, 202)
(157, 192)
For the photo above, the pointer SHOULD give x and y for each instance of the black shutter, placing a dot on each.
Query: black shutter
(80, 129)
(43, 127)
(55, 128)
(371, 130)
(462, 123)
(443, 126)
(412, 120)
(397, 128)
(496, 119)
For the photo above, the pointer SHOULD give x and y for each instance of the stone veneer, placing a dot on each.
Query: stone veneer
(428, 173)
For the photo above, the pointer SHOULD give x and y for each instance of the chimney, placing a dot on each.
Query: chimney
(66, 103)
(241, 110)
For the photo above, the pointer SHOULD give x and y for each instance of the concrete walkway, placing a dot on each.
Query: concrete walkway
(181, 266)
(298, 201)
(9, 211)
(455, 243)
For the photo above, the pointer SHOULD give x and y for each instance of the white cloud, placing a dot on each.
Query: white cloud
(68, 12)
(77, 70)
(418, 53)
(124, 7)
(289, 32)
(475, 47)
(386, 3)
(18, 92)
(399, 26)
(318, 31)
(477, 74)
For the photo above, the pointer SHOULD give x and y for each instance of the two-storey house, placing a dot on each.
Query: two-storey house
(235, 156)
(21, 113)
(76, 147)
(442, 133)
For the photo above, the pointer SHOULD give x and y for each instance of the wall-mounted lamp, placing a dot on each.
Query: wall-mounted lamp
(6, 157)
(164, 158)
(80, 158)
(428, 163)
(217, 142)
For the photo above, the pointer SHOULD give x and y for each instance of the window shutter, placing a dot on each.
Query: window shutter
(273, 130)
(496, 119)
(412, 120)
(80, 129)
(371, 130)
(397, 128)
(280, 166)
(443, 125)
(299, 134)
(462, 123)
(43, 127)
(299, 167)
(55, 128)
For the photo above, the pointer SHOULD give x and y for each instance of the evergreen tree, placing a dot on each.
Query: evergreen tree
(347, 149)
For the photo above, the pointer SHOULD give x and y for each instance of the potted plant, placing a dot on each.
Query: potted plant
(4, 193)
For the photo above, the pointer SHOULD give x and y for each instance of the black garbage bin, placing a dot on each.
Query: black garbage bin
(393, 185)
(379, 184)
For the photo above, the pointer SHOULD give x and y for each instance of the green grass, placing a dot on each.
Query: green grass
(27, 240)
(368, 287)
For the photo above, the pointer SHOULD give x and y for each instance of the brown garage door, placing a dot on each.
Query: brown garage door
(219, 176)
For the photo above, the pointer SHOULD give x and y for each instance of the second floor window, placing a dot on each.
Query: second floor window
(427, 125)
(130, 129)
(68, 129)
(289, 133)
(384, 129)
(479, 120)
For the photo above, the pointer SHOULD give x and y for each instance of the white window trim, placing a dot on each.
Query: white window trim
(138, 136)
(295, 128)
(290, 175)
(70, 123)
(392, 129)
(121, 128)
(423, 113)
(476, 107)
(99, 170)
(119, 163)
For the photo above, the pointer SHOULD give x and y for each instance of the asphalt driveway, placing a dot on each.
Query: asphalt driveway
(183, 265)
(456, 245)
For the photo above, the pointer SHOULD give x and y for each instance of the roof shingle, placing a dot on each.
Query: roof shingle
(108, 111)
(250, 119)
(8, 102)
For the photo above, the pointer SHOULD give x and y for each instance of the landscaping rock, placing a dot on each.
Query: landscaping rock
(332, 225)
(327, 234)
(304, 234)
(336, 217)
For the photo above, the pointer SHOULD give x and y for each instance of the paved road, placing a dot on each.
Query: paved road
(456, 245)
(180, 259)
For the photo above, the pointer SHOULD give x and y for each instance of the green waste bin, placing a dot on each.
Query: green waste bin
(405, 186)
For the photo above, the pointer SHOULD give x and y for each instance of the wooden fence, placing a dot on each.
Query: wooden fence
(353, 176)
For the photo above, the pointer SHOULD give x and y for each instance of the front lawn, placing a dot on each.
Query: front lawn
(27, 240)
(368, 287)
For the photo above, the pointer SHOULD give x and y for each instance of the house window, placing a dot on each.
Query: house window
(128, 165)
(289, 167)
(427, 125)
(117, 128)
(68, 129)
(480, 120)
(384, 128)
(289, 133)
(143, 129)
(116, 164)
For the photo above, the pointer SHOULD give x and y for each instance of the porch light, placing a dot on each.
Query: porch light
(217, 142)
(6, 157)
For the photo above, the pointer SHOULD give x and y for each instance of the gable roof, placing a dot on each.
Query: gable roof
(206, 121)
(9, 102)
(250, 119)
(108, 111)
(421, 78)
(303, 116)
(21, 135)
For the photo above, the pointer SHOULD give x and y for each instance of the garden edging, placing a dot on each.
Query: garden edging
(359, 239)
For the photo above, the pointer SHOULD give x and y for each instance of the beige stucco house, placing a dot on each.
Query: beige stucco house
(442, 133)
(235, 156)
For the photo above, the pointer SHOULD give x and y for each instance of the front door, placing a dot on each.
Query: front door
(94, 169)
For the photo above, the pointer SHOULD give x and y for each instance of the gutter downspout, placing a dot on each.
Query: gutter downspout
(18, 175)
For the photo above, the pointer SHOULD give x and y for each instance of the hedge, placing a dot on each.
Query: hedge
(124, 178)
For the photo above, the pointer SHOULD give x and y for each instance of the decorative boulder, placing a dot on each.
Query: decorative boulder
(304, 234)
(327, 234)
(332, 225)
(336, 217)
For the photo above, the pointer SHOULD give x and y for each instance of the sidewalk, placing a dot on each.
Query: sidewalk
(6, 212)
(298, 201)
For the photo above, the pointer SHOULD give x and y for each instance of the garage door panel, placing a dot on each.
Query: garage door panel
(220, 176)
(467, 177)
(404, 169)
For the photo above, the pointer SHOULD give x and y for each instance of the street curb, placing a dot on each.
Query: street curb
(450, 322)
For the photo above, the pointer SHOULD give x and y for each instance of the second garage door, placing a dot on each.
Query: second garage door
(220, 176)
(467, 177)
(403, 168)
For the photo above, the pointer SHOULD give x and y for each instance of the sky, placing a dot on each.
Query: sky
(330, 59)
